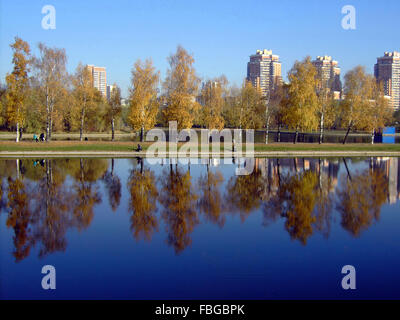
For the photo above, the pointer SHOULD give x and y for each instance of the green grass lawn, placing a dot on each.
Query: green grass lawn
(129, 146)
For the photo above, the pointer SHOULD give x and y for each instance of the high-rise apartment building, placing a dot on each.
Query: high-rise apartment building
(99, 78)
(264, 71)
(110, 88)
(387, 72)
(329, 72)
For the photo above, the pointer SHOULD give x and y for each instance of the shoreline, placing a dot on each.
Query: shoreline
(143, 154)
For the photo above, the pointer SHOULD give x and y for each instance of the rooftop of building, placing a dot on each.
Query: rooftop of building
(265, 52)
(326, 59)
(391, 55)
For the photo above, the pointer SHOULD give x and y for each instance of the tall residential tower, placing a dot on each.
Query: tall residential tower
(329, 72)
(387, 72)
(99, 78)
(264, 71)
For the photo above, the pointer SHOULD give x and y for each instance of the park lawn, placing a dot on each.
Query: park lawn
(70, 146)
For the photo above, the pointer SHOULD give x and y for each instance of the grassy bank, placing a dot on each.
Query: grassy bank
(69, 146)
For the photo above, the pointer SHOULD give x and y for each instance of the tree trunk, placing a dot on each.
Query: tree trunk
(279, 133)
(18, 169)
(81, 129)
(267, 131)
(20, 133)
(373, 136)
(347, 168)
(279, 171)
(47, 114)
(296, 135)
(112, 129)
(142, 134)
(347, 134)
(17, 138)
(321, 133)
(50, 127)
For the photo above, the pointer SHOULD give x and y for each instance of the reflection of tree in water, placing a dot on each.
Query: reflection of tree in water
(3, 203)
(86, 193)
(210, 202)
(113, 186)
(143, 196)
(324, 202)
(19, 217)
(179, 201)
(360, 199)
(50, 210)
(244, 193)
(43, 207)
(299, 199)
(304, 200)
(43, 204)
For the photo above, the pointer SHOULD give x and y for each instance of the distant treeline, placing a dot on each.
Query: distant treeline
(41, 96)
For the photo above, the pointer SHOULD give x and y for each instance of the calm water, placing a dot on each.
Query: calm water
(128, 229)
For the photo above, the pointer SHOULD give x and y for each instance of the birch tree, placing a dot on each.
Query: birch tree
(144, 103)
(114, 109)
(84, 96)
(51, 74)
(181, 86)
(17, 85)
(358, 91)
(212, 98)
(300, 112)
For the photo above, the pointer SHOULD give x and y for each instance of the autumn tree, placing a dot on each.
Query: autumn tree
(231, 108)
(17, 84)
(300, 110)
(273, 108)
(251, 107)
(113, 108)
(144, 102)
(3, 92)
(180, 88)
(358, 91)
(84, 97)
(212, 100)
(325, 106)
(379, 112)
(51, 75)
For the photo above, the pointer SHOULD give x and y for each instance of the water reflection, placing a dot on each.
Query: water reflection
(44, 199)
(142, 203)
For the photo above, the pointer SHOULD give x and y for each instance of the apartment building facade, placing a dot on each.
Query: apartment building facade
(387, 73)
(264, 71)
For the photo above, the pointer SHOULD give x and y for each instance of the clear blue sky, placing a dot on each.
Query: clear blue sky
(221, 34)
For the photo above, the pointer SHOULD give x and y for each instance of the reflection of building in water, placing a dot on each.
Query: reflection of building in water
(273, 170)
(390, 166)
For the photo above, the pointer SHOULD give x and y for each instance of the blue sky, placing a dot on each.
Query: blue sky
(221, 34)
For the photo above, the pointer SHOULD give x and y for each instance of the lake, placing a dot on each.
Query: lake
(131, 229)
